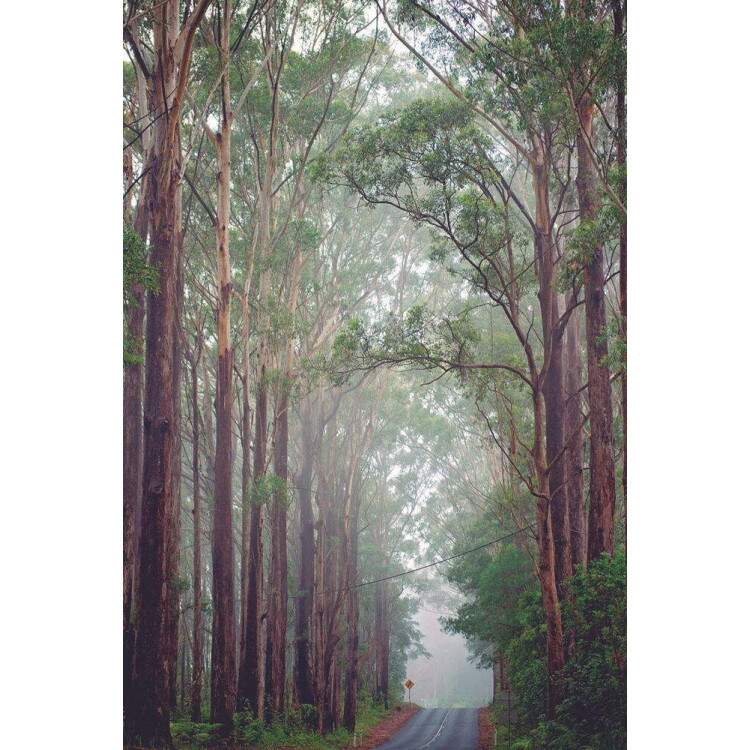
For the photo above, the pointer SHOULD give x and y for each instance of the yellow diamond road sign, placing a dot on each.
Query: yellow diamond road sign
(408, 684)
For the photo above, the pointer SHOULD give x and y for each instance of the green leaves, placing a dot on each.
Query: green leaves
(136, 272)
(270, 487)
(595, 676)
(593, 711)
(503, 593)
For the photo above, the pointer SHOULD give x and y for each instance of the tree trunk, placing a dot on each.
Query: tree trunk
(303, 602)
(329, 620)
(183, 667)
(602, 495)
(147, 704)
(246, 476)
(132, 443)
(336, 685)
(224, 642)
(249, 689)
(550, 603)
(149, 719)
(173, 611)
(552, 377)
(382, 649)
(277, 599)
(247, 450)
(327, 598)
(619, 30)
(147, 716)
(196, 687)
(352, 617)
(546, 569)
(574, 442)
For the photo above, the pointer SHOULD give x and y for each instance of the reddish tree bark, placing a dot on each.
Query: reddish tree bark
(251, 684)
(247, 463)
(550, 602)
(249, 692)
(196, 687)
(618, 14)
(147, 721)
(132, 443)
(224, 637)
(277, 588)
(574, 442)
(173, 552)
(303, 604)
(149, 717)
(147, 704)
(328, 596)
(546, 573)
(552, 371)
(382, 644)
(602, 484)
(352, 616)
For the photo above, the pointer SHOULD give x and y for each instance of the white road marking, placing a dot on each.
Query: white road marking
(440, 729)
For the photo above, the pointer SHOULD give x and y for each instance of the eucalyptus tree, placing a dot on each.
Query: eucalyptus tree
(312, 92)
(223, 655)
(165, 65)
(531, 75)
(589, 51)
(308, 213)
(394, 483)
(350, 267)
(432, 161)
(304, 72)
(193, 355)
(519, 105)
(569, 59)
(135, 254)
(199, 436)
(227, 42)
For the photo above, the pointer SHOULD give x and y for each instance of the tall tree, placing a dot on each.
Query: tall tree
(574, 469)
(303, 673)
(602, 492)
(132, 391)
(147, 706)
(224, 639)
(278, 575)
(196, 687)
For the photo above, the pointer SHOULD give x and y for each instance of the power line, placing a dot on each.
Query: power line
(429, 565)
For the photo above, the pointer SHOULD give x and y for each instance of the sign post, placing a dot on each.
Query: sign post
(409, 685)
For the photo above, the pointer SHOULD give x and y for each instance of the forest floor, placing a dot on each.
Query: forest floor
(375, 726)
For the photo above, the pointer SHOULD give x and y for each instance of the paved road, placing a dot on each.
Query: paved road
(438, 729)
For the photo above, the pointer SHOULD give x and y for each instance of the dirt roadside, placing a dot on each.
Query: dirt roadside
(486, 730)
(387, 728)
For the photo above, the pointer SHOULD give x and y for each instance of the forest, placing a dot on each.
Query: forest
(374, 361)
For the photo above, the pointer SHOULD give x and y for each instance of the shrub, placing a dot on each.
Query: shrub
(595, 703)
(194, 734)
(593, 712)
(247, 728)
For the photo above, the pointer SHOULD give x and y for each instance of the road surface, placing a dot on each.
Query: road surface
(438, 729)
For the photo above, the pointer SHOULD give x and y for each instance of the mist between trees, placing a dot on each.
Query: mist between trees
(374, 315)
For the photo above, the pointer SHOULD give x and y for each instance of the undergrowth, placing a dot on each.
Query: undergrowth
(249, 732)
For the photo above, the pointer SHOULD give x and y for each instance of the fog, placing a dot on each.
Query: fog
(446, 678)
